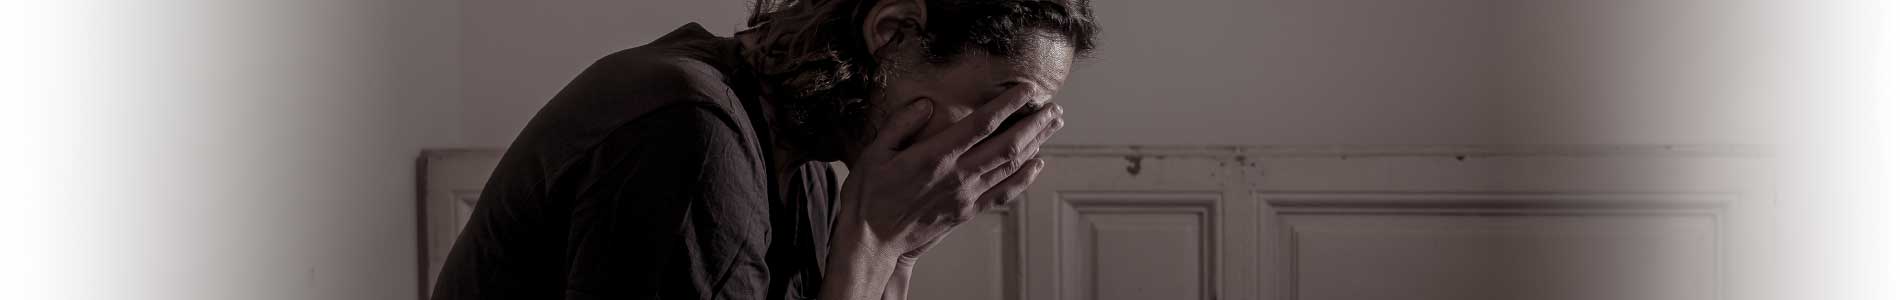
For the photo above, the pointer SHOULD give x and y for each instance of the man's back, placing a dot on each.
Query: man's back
(643, 177)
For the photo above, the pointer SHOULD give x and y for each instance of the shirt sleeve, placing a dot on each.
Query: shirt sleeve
(676, 209)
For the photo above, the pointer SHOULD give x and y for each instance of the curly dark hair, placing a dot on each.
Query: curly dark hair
(819, 72)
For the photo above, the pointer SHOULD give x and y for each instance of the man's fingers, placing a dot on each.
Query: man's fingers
(996, 176)
(981, 123)
(1013, 144)
(901, 126)
(1010, 188)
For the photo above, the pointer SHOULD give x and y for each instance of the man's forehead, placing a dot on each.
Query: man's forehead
(1044, 60)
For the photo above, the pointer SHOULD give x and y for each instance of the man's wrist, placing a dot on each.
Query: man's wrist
(859, 264)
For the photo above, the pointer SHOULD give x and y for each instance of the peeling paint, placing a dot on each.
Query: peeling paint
(1239, 160)
(1134, 165)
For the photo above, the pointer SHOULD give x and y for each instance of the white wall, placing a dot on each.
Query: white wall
(1405, 72)
(1263, 72)
(218, 149)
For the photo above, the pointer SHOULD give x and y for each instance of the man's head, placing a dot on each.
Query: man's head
(834, 67)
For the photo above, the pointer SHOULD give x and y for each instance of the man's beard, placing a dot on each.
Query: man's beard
(821, 125)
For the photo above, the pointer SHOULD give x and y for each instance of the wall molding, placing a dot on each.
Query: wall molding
(1406, 150)
(1469, 150)
(1074, 209)
(1516, 203)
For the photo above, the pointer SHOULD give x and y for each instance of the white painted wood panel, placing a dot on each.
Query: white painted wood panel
(1483, 246)
(1337, 222)
(452, 181)
(1138, 245)
(978, 261)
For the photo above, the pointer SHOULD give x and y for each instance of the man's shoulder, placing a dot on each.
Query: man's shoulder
(680, 61)
(621, 89)
(641, 85)
(665, 85)
(659, 71)
(682, 68)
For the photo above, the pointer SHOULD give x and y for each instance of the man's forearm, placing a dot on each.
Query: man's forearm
(859, 266)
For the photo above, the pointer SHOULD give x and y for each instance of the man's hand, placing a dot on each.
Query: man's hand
(910, 197)
(900, 200)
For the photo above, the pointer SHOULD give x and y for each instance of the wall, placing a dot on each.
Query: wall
(219, 149)
(1265, 72)
(1408, 72)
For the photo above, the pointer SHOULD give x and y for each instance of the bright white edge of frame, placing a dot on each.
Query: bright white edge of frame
(65, 120)
(1838, 91)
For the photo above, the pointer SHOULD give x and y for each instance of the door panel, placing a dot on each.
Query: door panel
(976, 262)
(1138, 246)
(452, 181)
(1326, 222)
(1524, 255)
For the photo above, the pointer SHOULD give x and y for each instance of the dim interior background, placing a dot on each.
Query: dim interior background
(266, 150)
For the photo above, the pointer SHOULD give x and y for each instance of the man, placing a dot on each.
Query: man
(693, 167)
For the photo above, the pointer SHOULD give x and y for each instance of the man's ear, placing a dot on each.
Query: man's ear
(889, 20)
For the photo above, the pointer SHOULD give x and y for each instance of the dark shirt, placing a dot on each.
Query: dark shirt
(646, 178)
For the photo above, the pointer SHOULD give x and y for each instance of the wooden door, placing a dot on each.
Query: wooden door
(1312, 222)
(452, 181)
(1368, 222)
